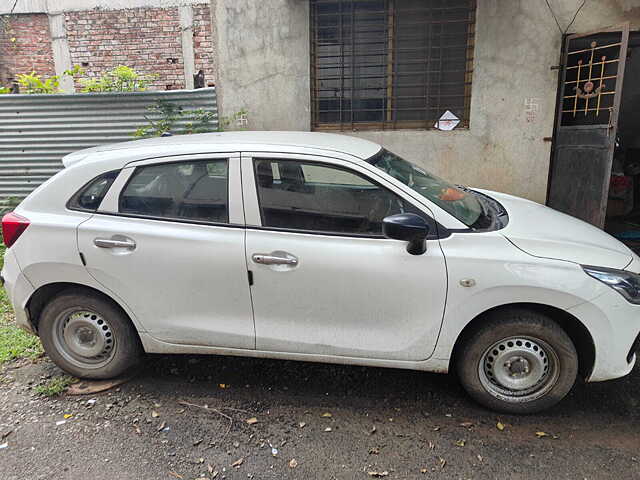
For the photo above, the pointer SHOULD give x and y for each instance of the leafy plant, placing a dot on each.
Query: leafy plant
(55, 386)
(34, 83)
(163, 117)
(5, 90)
(202, 121)
(119, 79)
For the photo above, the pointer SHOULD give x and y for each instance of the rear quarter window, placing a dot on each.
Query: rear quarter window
(89, 197)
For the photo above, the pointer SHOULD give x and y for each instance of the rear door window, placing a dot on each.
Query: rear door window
(89, 197)
(195, 190)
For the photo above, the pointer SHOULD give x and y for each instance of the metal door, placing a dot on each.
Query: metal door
(588, 108)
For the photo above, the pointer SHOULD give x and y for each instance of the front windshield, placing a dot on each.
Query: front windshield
(462, 204)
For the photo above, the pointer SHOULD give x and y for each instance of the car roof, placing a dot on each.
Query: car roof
(284, 142)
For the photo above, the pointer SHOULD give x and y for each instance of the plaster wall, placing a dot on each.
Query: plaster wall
(264, 67)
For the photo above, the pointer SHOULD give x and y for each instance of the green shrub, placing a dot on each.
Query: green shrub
(119, 79)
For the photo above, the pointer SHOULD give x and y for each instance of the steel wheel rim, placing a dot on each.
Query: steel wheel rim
(84, 338)
(519, 369)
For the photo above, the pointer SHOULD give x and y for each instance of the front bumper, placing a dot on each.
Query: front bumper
(614, 325)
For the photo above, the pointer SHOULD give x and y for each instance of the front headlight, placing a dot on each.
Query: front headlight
(625, 283)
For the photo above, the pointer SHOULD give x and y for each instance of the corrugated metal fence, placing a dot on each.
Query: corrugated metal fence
(36, 131)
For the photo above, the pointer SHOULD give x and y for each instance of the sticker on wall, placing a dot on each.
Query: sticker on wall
(448, 121)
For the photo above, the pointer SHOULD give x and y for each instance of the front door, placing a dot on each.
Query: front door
(325, 281)
(588, 110)
(168, 240)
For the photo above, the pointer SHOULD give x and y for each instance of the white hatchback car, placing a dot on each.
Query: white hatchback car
(316, 247)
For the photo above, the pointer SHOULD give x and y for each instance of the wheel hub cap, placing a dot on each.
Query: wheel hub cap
(87, 337)
(518, 369)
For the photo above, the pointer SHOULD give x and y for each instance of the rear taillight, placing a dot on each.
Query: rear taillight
(12, 227)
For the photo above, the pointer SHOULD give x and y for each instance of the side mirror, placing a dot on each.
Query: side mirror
(409, 227)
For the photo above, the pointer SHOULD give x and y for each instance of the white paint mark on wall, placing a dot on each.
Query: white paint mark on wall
(531, 109)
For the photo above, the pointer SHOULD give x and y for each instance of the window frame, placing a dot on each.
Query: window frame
(235, 206)
(388, 123)
(253, 210)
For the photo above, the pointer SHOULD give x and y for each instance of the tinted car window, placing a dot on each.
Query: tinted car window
(89, 197)
(323, 198)
(181, 190)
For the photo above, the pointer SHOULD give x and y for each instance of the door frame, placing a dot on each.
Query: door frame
(445, 221)
(626, 31)
(110, 202)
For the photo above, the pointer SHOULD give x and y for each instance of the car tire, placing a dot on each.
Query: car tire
(88, 336)
(518, 361)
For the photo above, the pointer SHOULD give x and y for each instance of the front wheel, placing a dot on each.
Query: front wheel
(518, 361)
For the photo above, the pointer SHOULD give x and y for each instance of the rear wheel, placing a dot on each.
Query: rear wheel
(88, 336)
(518, 361)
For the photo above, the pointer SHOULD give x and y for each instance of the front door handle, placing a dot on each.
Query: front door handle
(112, 243)
(274, 259)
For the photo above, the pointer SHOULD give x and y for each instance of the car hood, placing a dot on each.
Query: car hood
(543, 232)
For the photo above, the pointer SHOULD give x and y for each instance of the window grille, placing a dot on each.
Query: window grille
(388, 64)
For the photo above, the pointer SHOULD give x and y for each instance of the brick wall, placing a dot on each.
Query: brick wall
(203, 43)
(146, 39)
(29, 51)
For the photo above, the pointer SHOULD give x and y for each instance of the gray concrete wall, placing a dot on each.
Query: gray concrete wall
(264, 61)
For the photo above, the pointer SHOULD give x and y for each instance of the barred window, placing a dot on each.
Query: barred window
(387, 64)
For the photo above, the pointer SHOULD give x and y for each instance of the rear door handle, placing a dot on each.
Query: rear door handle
(112, 243)
(274, 259)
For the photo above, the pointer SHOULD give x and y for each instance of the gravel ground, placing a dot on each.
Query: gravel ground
(185, 417)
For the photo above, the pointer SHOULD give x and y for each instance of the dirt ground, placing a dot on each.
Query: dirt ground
(185, 417)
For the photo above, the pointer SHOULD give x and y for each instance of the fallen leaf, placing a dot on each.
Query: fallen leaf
(423, 470)
(461, 443)
(293, 463)
(237, 463)
(541, 434)
(154, 414)
(252, 420)
(326, 415)
(162, 425)
(443, 462)
(224, 385)
(479, 457)
(500, 426)
(301, 424)
(174, 474)
(378, 474)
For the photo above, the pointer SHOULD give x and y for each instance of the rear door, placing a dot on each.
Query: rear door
(168, 240)
(325, 281)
